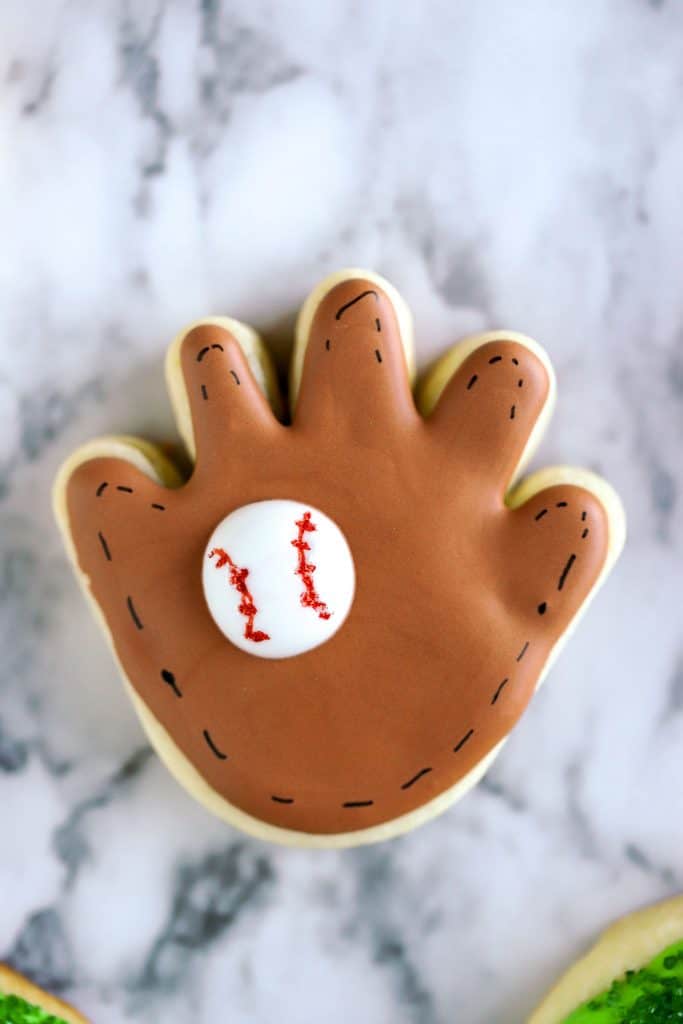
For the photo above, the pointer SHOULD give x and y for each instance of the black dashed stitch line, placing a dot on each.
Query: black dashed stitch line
(101, 489)
(499, 690)
(342, 310)
(522, 652)
(133, 614)
(512, 412)
(327, 344)
(378, 355)
(472, 381)
(169, 678)
(410, 782)
(219, 347)
(162, 508)
(565, 571)
(585, 534)
(219, 753)
(495, 359)
(128, 490)
(105, 547)
(562, 504)
(520, 382)
(463, 741)
(583, 516)
(202, 352)
(515, 360)
(204, 392)
(543, 512)
(542, 608)
(378, 324)
(235, 377)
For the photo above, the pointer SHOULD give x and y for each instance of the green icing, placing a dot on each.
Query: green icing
(14, 1010)
(652, 995)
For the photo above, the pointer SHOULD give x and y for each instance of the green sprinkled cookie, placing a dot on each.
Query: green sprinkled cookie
(651, 995)
(22, 1002)
(632, 975)
(15, 1010)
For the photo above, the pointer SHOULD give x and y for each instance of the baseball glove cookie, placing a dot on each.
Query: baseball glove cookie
(22, 1002)
(633, 974)
(331, 627)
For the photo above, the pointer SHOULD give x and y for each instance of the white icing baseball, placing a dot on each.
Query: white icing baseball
(278, 578)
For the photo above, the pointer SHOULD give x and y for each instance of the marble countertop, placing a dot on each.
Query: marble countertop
(505, 165)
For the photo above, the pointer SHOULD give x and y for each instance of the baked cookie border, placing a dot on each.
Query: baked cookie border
(14, 984)
(627, 944)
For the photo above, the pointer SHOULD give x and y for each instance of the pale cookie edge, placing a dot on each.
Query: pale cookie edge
(628, 944)
(14, 984)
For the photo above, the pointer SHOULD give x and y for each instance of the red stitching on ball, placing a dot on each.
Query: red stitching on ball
(238, 580)
(305, 569)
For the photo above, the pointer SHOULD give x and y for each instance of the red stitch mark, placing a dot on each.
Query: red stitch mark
(305, 569)
(238, 580)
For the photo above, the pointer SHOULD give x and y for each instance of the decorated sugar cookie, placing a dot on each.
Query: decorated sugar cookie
(331, 627)
(22, 1002)
(632, 975)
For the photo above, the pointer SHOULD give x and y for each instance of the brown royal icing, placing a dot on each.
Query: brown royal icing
(459, 600)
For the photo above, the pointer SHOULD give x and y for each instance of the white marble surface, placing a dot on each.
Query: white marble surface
(506, 165)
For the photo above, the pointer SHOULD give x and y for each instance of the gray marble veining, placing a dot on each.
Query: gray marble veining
(505, 165)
